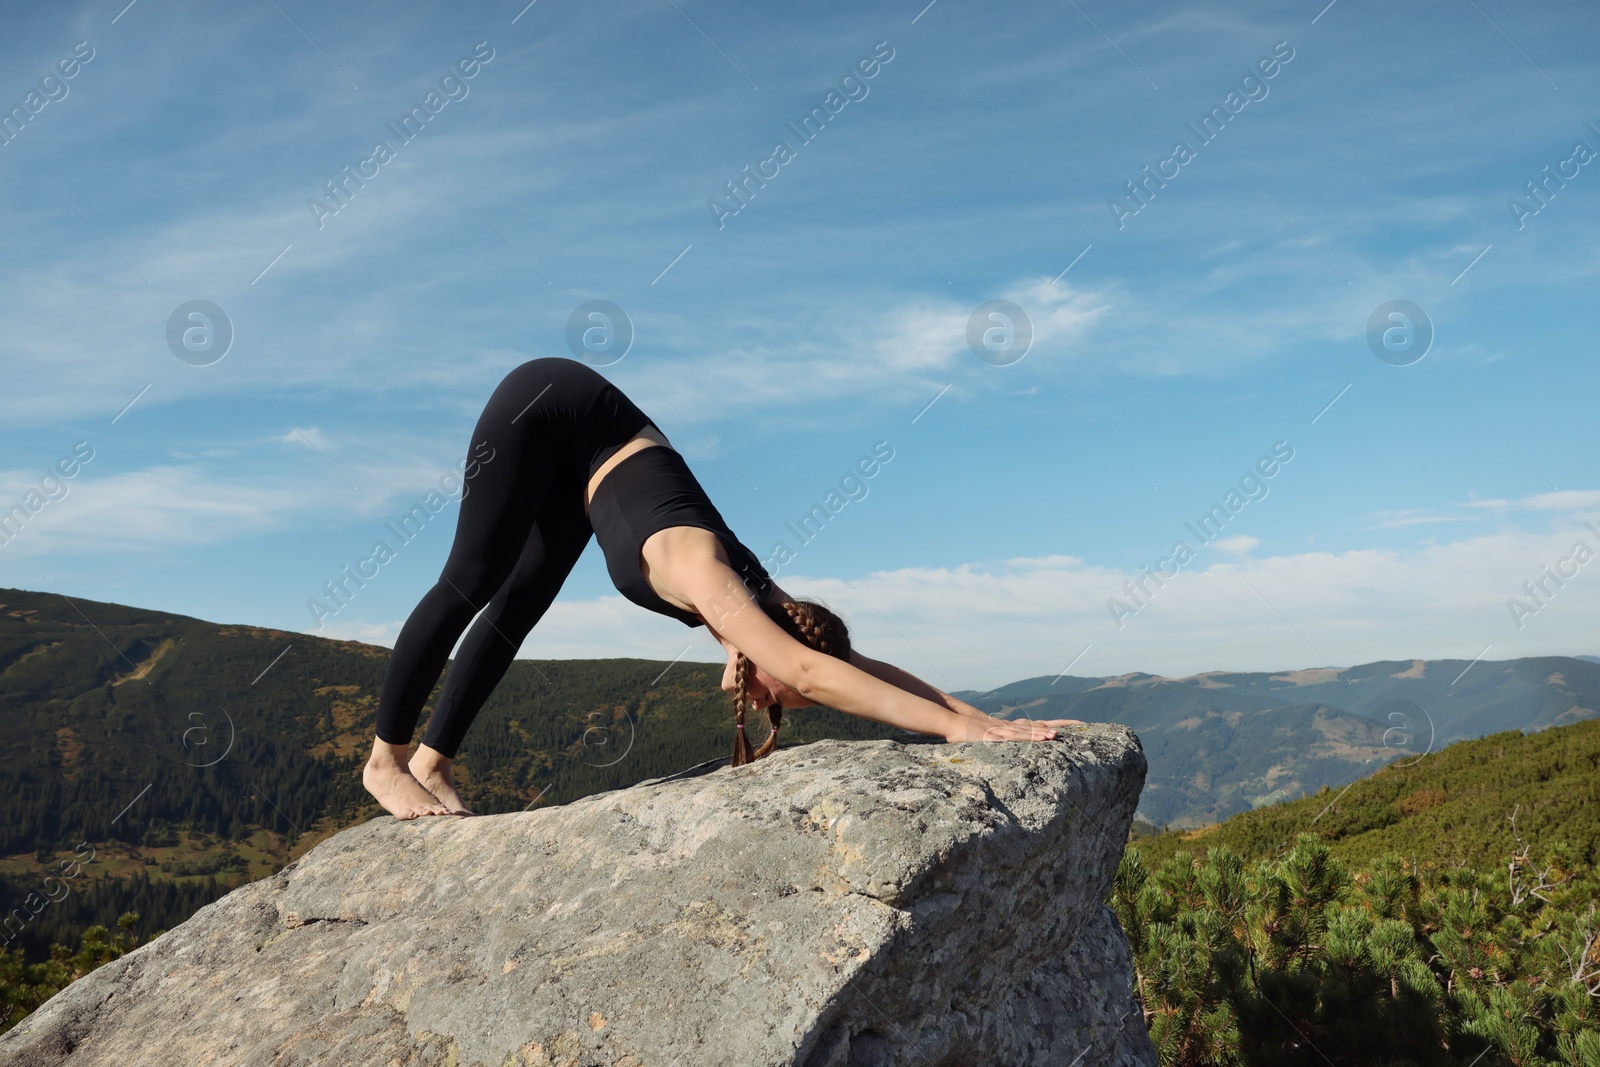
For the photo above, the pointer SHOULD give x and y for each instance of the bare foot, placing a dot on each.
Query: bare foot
(392, 784)
(432, 769)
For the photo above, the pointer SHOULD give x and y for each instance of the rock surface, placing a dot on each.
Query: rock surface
(838, 904)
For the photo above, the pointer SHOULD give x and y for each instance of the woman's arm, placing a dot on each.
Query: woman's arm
(732, 615)
(888, 672)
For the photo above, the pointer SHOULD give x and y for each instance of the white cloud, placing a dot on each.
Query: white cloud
(156, 508)
(1566, 502)
(305, 437)
(1240, 545)
(1412, 517)
(858, 350)
(923, 335)
(193, 504)
(1061, 312)
(1563, 500)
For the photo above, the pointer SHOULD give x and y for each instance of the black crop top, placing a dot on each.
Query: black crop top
(649, 491)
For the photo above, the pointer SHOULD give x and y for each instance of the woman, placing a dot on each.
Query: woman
(572, 456)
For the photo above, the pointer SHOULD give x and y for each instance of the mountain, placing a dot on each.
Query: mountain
(163, 760)
(1225, 742)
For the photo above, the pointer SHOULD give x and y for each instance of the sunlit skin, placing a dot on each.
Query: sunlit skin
(763, 690)
(676, 561)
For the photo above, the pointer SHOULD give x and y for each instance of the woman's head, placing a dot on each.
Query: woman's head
(807, 622)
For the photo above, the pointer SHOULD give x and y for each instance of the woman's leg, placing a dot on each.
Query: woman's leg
(494, 526)
(497, 514)
(557, 539)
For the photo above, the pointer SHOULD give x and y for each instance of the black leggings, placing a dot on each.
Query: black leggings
(521, 528)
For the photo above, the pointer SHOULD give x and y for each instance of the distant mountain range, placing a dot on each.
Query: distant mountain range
(1224, 742)
(191, 756)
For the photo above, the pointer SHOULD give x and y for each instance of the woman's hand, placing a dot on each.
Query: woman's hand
(989, 728)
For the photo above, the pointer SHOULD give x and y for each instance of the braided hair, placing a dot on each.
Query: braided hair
(812, 625)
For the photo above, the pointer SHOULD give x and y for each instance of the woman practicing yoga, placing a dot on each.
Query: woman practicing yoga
(573, 456)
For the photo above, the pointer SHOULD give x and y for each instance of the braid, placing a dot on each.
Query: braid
(741, 745)
(808, 622)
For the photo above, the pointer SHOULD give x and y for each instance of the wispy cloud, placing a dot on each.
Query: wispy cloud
(1566, 500)
(306, 437)
(1394, 520)
(1239, 546)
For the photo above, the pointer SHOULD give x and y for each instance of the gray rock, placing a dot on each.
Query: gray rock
(838, 904)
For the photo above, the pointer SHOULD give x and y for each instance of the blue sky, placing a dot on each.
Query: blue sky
(778, 345)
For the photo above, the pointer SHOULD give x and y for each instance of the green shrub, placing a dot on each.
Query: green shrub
(1301, 960)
